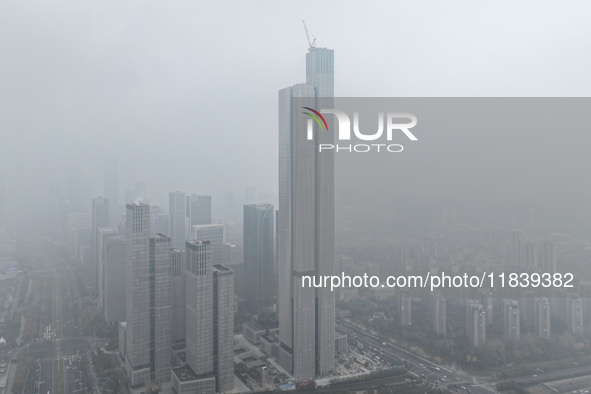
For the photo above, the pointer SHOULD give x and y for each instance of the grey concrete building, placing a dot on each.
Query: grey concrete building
(179, 299)
(209, 321)
(177, 219)
(542, 317)
(214, 233)
(114, 279)
(259, 257)
(148, 296)
(100, 218)
(511, 320)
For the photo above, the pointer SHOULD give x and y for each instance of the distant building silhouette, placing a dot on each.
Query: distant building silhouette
(177, 216)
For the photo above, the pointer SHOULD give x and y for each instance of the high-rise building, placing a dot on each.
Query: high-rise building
(214, 233)
(306, 226)
(259, 256)
(542, 317)
(114, 279)
(439, 315)
(199, 209)
(111, 187)
(176, 217)
(405, 308)
(475, 323)
(223, 327)
(159, 220)
(574, 315)
(511, 320)
(209, 324)
(100, 218)
(178, 331)
(148, 300)
(104, 233)
(160, 307)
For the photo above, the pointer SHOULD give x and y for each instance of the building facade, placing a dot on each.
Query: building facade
(306, 225)
(259, 256)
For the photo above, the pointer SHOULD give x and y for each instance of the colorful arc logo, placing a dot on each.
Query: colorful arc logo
(315, 116)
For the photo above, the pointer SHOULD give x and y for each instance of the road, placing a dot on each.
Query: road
(436, 375)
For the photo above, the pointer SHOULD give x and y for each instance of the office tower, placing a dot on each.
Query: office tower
(111, 187)
(100, 218)
(547, 257)
(160, 307)
(259, 256)
(223, 327)
(214, 233)
(405, 308)
(178, 332)
(158, 220)
(148, 303)
(542, 317)
(199, 209)
(511, 320)
(574, 315)
(306, 225)
(176, 217)
(232, 254)
(104, 233)
(439, 315)
(475, 323)
(209, 324)
(114, 279)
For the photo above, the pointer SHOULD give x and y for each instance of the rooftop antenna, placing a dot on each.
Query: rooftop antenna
(311, 43)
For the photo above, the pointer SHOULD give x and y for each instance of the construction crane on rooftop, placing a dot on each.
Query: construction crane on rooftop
(311, 43)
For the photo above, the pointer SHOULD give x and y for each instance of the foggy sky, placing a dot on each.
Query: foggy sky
(185, 93)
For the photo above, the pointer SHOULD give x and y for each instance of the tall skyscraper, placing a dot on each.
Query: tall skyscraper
(100, 218)
(259, 256)
(199, 209)
(178, 331)
(114, 279)
(148, 300)
(306, 226)
(223, 327)
(209, 324)
(159, 220)
(176, 217)
(511, 320)
(160, 307)
(104, 233)
(111, 187)
(214, 233)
